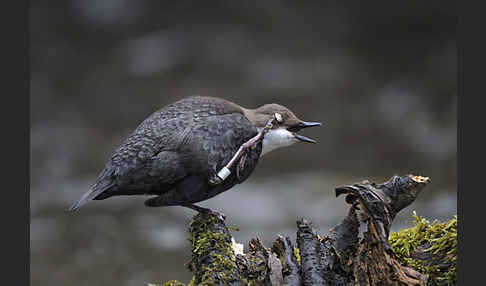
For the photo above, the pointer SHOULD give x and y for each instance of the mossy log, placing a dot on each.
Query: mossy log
(357, 251)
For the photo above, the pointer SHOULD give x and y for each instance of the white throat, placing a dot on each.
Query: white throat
(276, 138)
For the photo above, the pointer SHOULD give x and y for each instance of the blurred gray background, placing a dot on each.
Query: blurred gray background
(381, 75)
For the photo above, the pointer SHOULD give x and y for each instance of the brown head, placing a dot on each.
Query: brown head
(285, 126)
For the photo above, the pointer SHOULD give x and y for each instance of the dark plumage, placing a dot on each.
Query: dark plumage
(173, 153)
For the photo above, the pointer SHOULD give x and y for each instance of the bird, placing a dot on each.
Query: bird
(175, 154)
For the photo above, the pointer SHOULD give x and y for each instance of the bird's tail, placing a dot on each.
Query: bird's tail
(95, 191)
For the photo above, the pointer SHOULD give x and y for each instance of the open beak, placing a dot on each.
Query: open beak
(300, 126)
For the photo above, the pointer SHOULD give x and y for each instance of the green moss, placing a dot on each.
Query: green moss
(168, 283)
(233, 228)
(257, 270)
(174, 283)
(192, 283)
(211, 242)
(297, 254)
(430, 248)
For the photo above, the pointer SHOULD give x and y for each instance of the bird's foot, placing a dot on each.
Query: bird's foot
(215, 180)
(207, 211)
(241, 165)
(219, 215)
(237, 157)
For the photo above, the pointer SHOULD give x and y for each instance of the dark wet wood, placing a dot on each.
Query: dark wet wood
(343, 257)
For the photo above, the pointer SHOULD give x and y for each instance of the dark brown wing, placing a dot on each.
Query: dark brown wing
(149, 160)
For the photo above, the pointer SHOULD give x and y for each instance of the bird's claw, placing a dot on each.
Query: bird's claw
(217, 214)
(215, 180)
(205, 211)
(241, 165)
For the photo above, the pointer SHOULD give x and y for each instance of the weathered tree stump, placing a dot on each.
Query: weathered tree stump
(346, 256)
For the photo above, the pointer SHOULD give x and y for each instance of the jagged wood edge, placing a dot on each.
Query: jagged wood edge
(329, 260)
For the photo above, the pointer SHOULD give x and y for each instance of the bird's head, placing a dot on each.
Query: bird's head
(285, 126)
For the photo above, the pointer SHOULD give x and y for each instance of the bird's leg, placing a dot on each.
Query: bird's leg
(225, 171)
(198, 208)
(241, 164)
(205, 211)
(215, 180)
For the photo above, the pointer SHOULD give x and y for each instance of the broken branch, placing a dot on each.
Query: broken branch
(343, 257)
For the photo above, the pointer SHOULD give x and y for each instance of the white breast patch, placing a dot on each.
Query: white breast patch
(277, 138)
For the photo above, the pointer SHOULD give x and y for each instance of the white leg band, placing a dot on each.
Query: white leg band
(224, 173)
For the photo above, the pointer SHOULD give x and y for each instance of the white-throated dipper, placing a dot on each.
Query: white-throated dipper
(177, 152)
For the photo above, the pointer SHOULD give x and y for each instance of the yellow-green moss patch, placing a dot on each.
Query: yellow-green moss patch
(297, 254)
(430, 248)
(168, 283)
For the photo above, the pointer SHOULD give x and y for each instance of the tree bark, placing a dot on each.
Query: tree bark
(346, 256)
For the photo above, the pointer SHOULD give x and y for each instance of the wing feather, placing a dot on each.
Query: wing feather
(163, 148)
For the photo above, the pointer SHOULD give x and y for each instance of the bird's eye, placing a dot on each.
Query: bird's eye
(278, 116)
